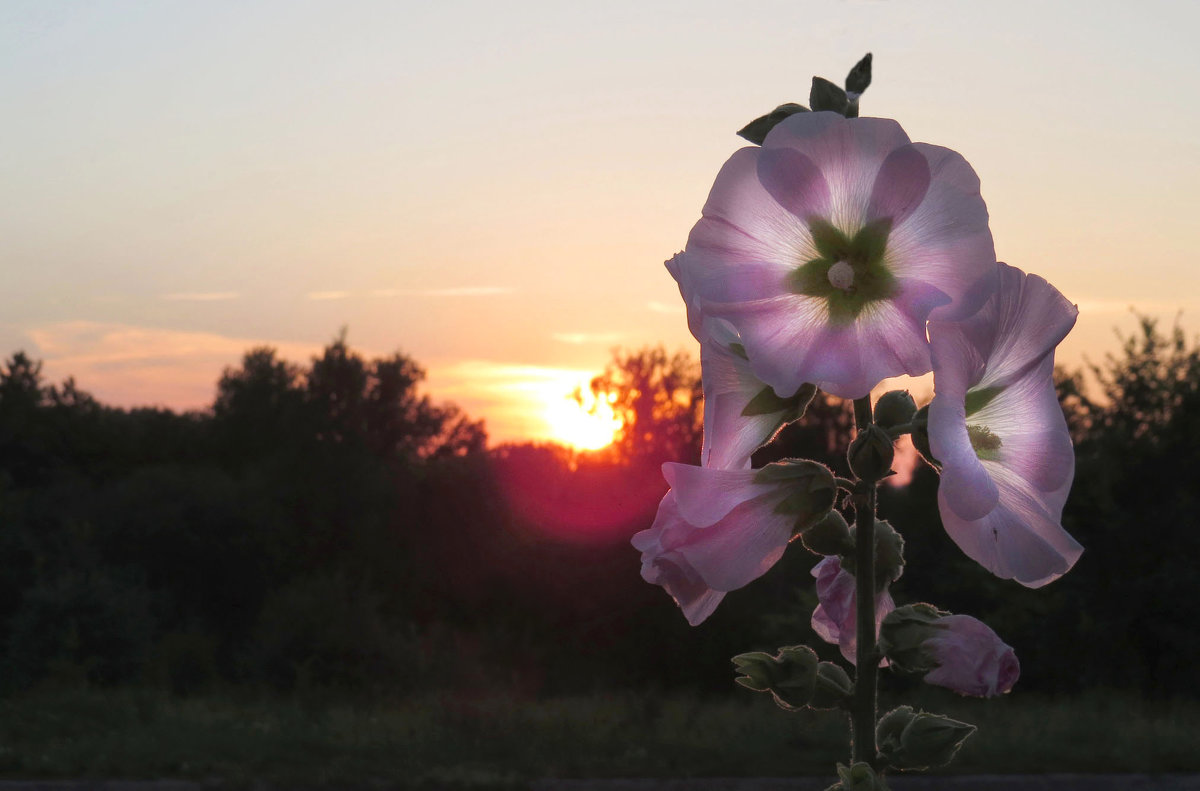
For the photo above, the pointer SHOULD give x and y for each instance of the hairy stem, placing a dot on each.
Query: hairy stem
(862, 709)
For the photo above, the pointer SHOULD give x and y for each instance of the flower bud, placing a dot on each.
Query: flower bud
(958, 652)
(920, 437)
(903, 634)
(830, 536)
(859, 777)
(890, 728)
(889, 555)
(811, 489)
(871, 454)
(927, 740)
(894, 408)
(789, 676)
(833, 687)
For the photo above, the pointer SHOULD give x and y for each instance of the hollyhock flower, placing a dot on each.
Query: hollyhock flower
(741, 413)
(829, 247)
(717, 530)
(971, 659)
(997, 429)
(953, 651)
(834, 618)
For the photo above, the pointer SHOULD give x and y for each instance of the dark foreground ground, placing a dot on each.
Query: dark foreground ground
(1053, 782)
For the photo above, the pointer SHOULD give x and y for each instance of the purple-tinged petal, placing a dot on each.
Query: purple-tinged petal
(661, 565)
(741, 547)
(1019, 539)
(965, 487)
(900, 186)
(794, 182)
(834, 619)
(971, 658)
(705, 495)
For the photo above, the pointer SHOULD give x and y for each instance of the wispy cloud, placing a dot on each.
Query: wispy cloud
(201, 296)
(1109, 306)
(465, 291)
(127, 365)
(580, 338)
(323, 296)
(674, 308)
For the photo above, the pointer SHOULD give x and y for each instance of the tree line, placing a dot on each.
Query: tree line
(329, 525)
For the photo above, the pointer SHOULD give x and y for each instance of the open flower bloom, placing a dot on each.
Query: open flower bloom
(996, 427)
(717, 530)
(829, 247)
(834, 618)
(741, 413)
(971, 659)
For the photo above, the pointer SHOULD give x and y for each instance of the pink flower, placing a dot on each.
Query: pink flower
(996, 427)
(829, 247)
(741, 413)
(971, 659)
(717, 530)
(834, 618)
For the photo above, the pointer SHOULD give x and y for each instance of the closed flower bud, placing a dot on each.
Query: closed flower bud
(894, 408)
(903, 633)
(859, 777)
(789, 676)
(833, 687)
(871, 454)
(830, 536)
(889, 555)
(928, 740)
(891, 727)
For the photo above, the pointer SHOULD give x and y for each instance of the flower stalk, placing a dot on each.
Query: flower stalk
(862, 710)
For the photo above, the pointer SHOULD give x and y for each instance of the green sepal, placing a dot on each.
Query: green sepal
(979, 398)
(830, 536)
(871, 453)
(903, 633)
(920, 437)
(858, 777)
(889, 554)
(756, 131)
(790, 676)
(766, 402)
(926, 741)
(833, 687)
(825, 95)
(811, 489)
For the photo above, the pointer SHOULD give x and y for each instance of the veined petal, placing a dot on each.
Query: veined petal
(965, 487)
(741, 547)
(1019, 539)
(730, 437)
(945, 240)
(661, 565)
(705, 495)
(900, 186)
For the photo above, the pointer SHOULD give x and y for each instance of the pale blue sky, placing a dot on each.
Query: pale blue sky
(492, 187)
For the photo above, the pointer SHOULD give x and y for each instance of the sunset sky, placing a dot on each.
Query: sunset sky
(492, 188)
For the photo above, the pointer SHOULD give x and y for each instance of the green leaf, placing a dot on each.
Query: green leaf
(756, 131)
(827, 96)
(767, 403)
(860, 76)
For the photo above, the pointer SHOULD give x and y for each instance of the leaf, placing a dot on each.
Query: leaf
(827, 96)
(756, 131)
(860, 76)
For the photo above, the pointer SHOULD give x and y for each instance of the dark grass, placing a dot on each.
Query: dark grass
(458, 740)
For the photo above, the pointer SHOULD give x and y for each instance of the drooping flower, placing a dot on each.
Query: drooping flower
(717, 530)
(997, 429)
(834, 618)
(829, 247)
(953, 651)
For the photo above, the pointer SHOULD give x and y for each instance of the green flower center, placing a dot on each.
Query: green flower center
(985, 444)
(848, 272)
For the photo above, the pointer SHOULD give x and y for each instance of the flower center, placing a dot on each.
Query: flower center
(841, 276)
(985, 444)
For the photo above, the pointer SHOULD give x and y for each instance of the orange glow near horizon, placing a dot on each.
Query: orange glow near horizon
(583, 422)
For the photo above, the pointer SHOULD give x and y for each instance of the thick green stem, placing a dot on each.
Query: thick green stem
(862, 709)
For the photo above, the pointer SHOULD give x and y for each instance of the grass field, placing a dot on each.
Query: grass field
(473, 742)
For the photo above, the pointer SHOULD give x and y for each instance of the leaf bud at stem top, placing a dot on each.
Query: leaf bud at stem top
(894, 408)
(871, 453)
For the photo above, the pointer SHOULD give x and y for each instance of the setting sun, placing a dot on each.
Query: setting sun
(584, 424)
